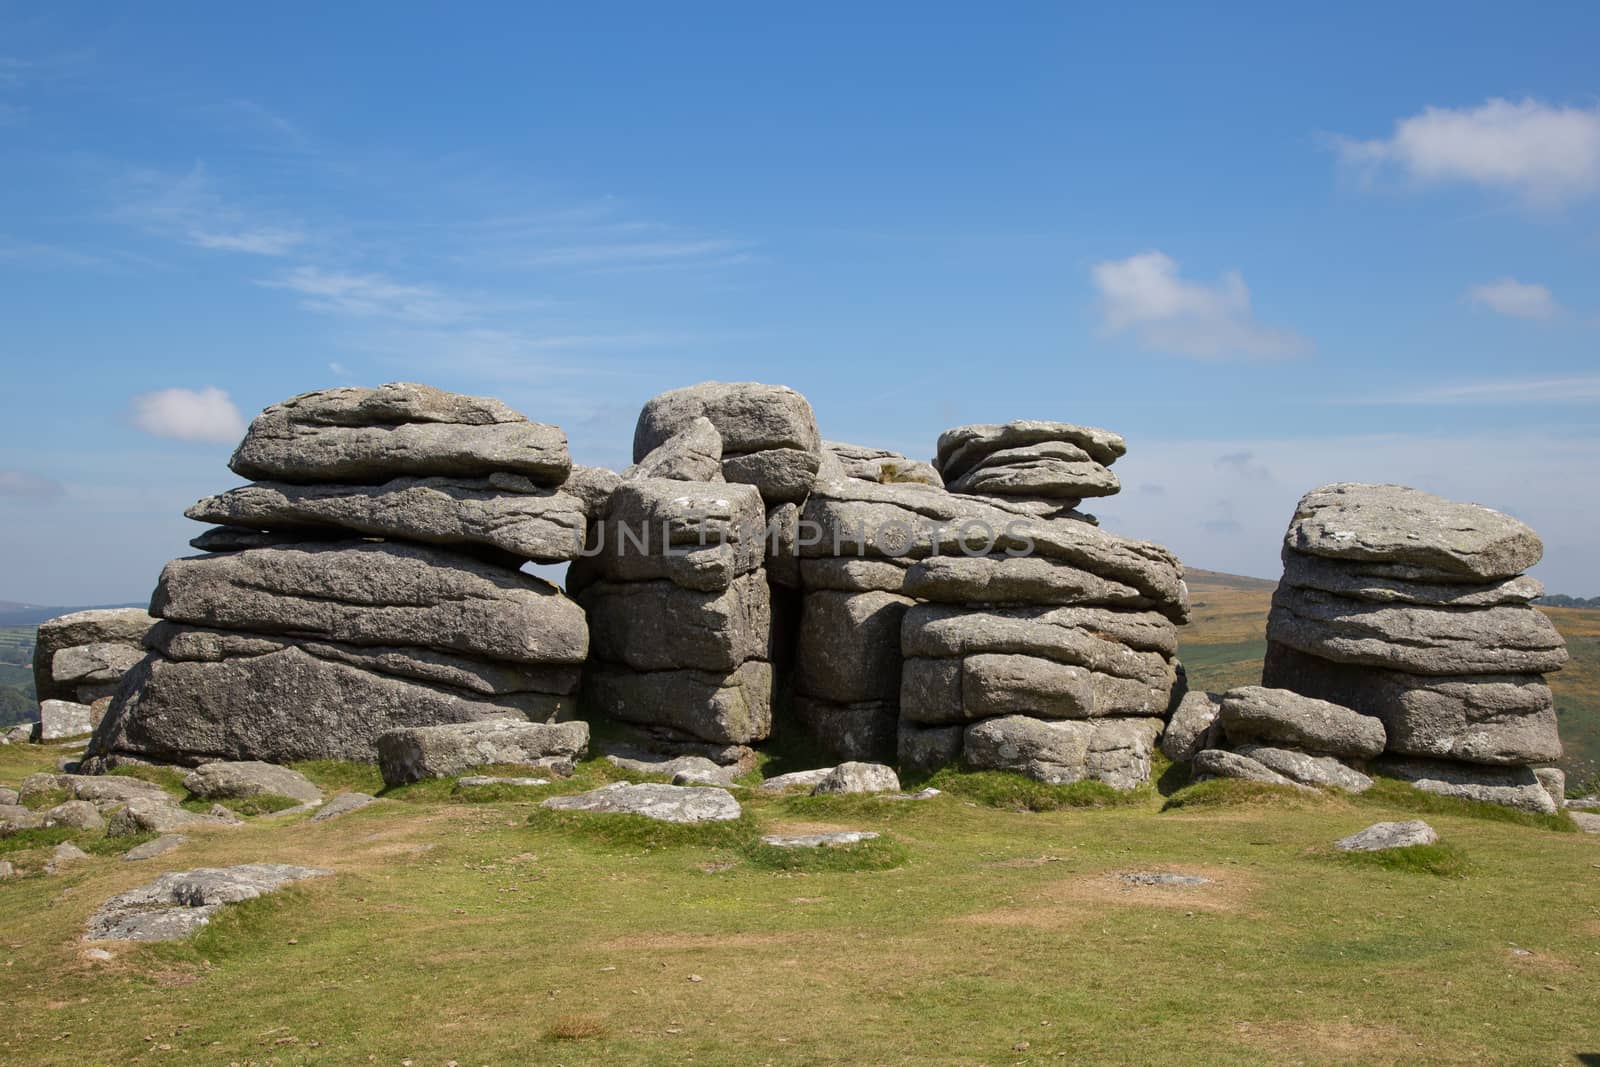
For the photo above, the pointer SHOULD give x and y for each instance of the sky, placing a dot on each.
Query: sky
(1274, 248)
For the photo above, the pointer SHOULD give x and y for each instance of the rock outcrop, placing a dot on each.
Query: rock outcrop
(370, 581)
(1414, 610)
(78, 662)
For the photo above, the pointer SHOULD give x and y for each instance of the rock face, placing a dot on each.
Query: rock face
(857, 777)
(370, 583)
(1413, 610)
(223, 780)
(82, 656)
(1381, 836)
(61, 719)
(768, 433)
(1255, 713)
(177, 904)
(664, 803)
(413, 754)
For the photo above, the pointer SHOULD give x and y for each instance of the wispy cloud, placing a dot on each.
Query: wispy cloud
(1546, 155)
(202, 415)
(633, 253)
(188, 207)
(1576, 389)
(1520, 300)
(1145, 296)
(22, 484)
(370, 296)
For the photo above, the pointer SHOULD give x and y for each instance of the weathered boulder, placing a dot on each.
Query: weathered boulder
(850, 575)
(1016, 580)
(1511, 787)
(149, 850)
(1416, 639)
(374, 435)
(93, 671)
(593, 486)
(806, 780)
(857, 777)
(664, 803)
(864, 730)
(1255, 713)
(1431, 538)
(825, 839)
(941, 691)
(250, 778)
(1321, 771)
(879, 465)
(768, 432)
(63, 856)
(1504, 719)
(659, 626)
(849, 646)
(1554, 780)
(1192, 728)
(1048, 470)
(177, 904)
(1382, 836)
(101, 626)
(732, 707)
(693, 770)
(1220, 763)
(1358, 580)
(508, 512)
(962, 448)
(61, 719)
(700, 535)
(15, 818)
(413, 754)
(343, 804)
(693, 454)
(74, 815)
(1115, 752)
(95, 788)
(286, 705)
(921, 749)
(1130, 644)
(147, 815)
(377, 594)
(911, 522)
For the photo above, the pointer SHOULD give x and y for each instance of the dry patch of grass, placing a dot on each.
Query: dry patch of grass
(1343, 1041)
(1084, 898)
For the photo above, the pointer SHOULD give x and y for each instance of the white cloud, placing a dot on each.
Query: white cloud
(207, 415)
(21, 483)
(1145, 296)
(370, 296)
(1545, 154)
(1575, 389)
(264, 242)
(1522, 300)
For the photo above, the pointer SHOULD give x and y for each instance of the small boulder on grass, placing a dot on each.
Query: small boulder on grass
(343, 804)
(854, 777)
(225, 780)
(830, 839)
(74, 815)
(451, 749)
(664, 803)
(807, 780)
(1380, 837)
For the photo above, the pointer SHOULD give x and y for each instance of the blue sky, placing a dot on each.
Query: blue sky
(1273, 250)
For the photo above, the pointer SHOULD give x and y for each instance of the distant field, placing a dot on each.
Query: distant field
(1224, 644)
(17, 702)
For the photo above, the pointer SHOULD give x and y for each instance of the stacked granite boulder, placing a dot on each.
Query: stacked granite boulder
(1030, 640)
(78, 661)
(1279, 737)
(368, 580)
(681, 607)
(1415, 609)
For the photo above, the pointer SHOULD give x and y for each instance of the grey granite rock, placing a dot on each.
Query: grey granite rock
(411, 755)
(1016, 580)
(121, 626)
(805, 780)
(1116, 752)
(693, 454)
(1356, 580)
(880, 465)
(1321, 771)
(1048, 470)
(177, 904)
(373, 435)
(695, 770)
(250, 778)
(146, 815)
(729, 708)
(149, 850)
(857, 777)
(749, 416)
(1438, 539)
(923, 749)
(1220, 763)
(1382, 836)
(1511, 787)
(1192, 728)
(849, 646)
(61, 719)
(1282, 717)
(862, 730)
(962, 448)
(826, 839)
(658, 626)
(74, 815)
(502, 511)
(343, 804)
(664, 803)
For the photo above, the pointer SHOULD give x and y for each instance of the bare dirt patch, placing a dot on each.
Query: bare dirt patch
(1341, 1041)
(1075, 900)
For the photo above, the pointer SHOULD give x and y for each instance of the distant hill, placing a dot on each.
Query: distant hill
(1225, 642)
(1561, 600)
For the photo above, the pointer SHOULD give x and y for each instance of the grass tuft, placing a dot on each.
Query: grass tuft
(1443, 861)
(45, 800)
(40, 837)
(1393, 793)
(264, 804)
(639, 832)
(878, 854)
(575, 1026)
(168, 778)
(341, 775)
(1017, 792)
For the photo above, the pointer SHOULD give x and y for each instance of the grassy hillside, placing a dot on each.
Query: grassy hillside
(478, 933)
(1224, 645)
(17, 703)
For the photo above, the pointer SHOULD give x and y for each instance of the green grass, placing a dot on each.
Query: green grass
(41, 837)
(265, 804)
(44, 799)
(1015, 792)
(1228, 792)
(472, 932)
(168, 778)
(1391, 793)
(1441, 860)
(341, 776)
